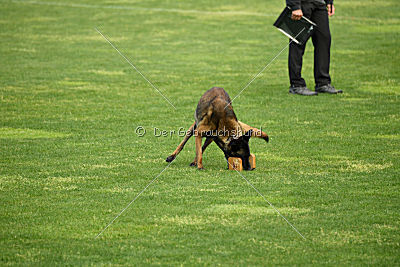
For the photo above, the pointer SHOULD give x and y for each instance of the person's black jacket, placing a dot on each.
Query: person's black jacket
(296, 4)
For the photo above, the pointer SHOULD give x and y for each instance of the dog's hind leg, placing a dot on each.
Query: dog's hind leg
(255, 133)
(189, 134)
(208, 141)
(199, 154)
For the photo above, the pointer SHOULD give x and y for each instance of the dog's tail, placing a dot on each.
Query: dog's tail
(255, 132)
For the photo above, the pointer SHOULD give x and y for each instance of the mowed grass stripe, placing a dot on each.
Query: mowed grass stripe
(10, 133)
(174, 10)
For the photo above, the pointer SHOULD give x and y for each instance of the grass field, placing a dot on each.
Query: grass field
(71, 160)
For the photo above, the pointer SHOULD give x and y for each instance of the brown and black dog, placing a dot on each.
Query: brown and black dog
(215, 120)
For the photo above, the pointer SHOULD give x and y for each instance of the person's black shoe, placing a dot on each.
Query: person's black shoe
(328, 88)
(301, 90)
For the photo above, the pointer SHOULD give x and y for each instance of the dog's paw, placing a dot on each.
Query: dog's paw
(200, 169)
(192, 164)
(170, 158)
(266, 139)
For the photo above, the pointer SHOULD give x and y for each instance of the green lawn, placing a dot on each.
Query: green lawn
(70, 160)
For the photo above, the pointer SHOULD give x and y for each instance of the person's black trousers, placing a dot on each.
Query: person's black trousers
(321, 39)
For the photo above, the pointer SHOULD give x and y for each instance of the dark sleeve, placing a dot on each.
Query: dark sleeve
(329, 2)
(294, 4)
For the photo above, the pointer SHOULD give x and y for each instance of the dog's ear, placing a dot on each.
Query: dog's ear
(247, 135)
(234, 144)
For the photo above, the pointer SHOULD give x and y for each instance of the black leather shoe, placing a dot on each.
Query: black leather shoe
(301, 90)
(328, 88)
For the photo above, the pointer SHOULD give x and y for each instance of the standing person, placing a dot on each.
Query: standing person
(317, 11)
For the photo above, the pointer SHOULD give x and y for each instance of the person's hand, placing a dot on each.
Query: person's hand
(297, 14)
(331, 10)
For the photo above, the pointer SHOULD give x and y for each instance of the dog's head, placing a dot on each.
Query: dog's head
(239, 147)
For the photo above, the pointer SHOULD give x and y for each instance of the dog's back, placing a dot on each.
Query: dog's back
(215, 110)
